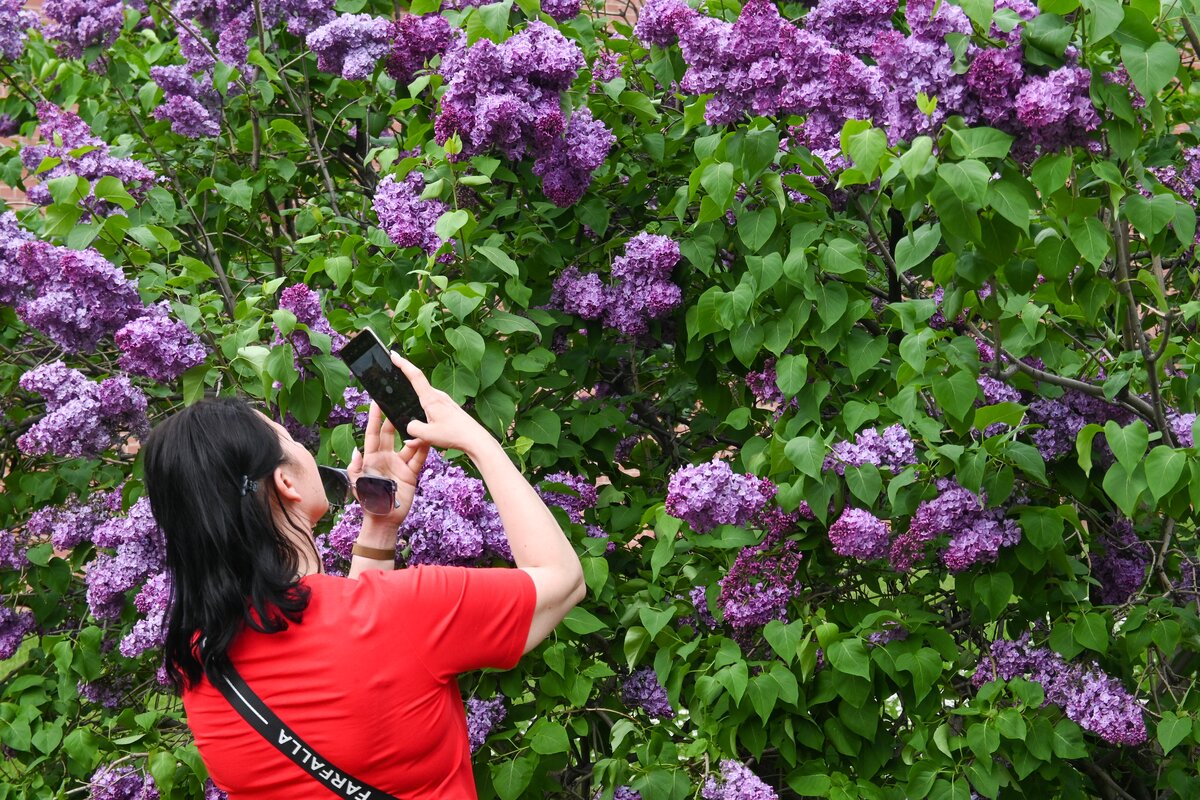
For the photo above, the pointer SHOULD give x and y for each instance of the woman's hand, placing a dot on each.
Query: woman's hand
(448, 425)
(380, 459)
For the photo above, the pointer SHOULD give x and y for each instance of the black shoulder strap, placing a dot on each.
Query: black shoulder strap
(284, 739)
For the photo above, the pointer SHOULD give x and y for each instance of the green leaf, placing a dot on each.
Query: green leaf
(1050, 173)
(542, 426)
(1151, 68)
(1091, 631)
(1092, 239)
(981, 142)
(1042, 527)
(1067, 741)
(239, 193)
(1012, 197)
(469, 346)
(1166, 466)
(451, 222)
(917, 246)
(1172, 729)
(582, 621)
(850, 656)
(511, 778)
(968, 179)
(864, 144)
(914, 160)
(1129, 443)
(841, 257)
(548, 738)
(956, 394)
(864, 482)
(1124, 487)
(500, 259)
(1083, 445)
(784, 638)
(1103, 17)
(162, 767)
(1151, 215)
(791, 374)
(1056, 257)
(806, 453)
(755, 227)
(717, 180)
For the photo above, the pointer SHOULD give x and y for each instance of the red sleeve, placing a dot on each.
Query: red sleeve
(464, 619)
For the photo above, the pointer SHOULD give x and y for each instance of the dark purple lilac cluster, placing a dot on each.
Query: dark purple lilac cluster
(351, 45)
(70, 525)
(1121, 567)
(69, 140)
(858, 533)
(891, 632)
(121, 783)
(83, 418)
(77, 25)
(233, 22)
(606, 67)
(736, 782)
(139, 555)
(452, 522)
(105, 691)
(213, 792)
(14, 626)
(760, 584)
(893, 449)
(699, 598)
(976, 532)
(191, 104)
(13, 550)
(15, 22)
(643, 690)
(335, 547)
(482, 718)
(152, 603)
(416, 39)
(509, 97)
(707, 495)
(157, 346)
(764, 385)
(1062, 418)
(581, 497)
(1087, 695)
(641, 290)
(408, 220)
(621, 793)
(562, 10)
(305, 304)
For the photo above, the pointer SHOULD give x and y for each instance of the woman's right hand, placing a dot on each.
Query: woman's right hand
(448, 424)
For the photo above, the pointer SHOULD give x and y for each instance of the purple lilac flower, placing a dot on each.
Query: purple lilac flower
(584, 496)
(1181, 426)
(997, 391)
(213, 792)
(77, 25)
(643, 289)
(621, 793)
(65, 133)
(976, 532)
(764, 385)
(83, 419)
(852, 25)
(151, 602)
(108, 693)
(606, 67)
(1121, 568)
(760, 584)
(892, 449)
(12, 551)
(305, 304)
(1025, 11)
(158, 346)
(562, 10)
(566, 163)
(14, 625)
(192, 104)
(121, 783)
(482, 718)
(15, 22)
(1057, 110)
(1095, 700)
(1061, 419)
(416, 40)
(993, 81)
(350, 410)
(351, 45)
(642, 690)
(892, 632)
(859, 534)
(140, 553)
(699, 597)
(911, 66)
(14, 283)
(408, 220)
(712, 494)
(335, 547)
(736, 782)
(659, 21)
(69, 525)
(931, 19)
(581, 294)
(1183, 180)
(452, 521)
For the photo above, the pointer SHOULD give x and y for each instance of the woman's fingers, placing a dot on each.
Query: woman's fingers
(387, 436)
(413, 373)
(374, 423)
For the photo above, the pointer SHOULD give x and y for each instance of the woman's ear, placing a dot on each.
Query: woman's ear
(286, 486)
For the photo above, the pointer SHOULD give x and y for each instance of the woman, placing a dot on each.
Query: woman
(363, 669)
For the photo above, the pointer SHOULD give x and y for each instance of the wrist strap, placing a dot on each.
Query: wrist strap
(260, 716)
(377, 553)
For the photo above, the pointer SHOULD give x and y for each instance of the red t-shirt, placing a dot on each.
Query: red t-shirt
(368, 680)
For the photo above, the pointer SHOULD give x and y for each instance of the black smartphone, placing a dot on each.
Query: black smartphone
(371, 363)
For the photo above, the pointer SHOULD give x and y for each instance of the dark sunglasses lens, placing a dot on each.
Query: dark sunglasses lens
(337, 486)
(375, 495)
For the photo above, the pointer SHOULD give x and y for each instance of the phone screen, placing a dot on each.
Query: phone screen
(370, 362)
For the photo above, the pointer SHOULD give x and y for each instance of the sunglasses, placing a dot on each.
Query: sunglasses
(375, 495)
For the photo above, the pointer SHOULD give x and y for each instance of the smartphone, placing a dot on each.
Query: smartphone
(372, 364)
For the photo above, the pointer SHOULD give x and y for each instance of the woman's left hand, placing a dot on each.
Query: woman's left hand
(379, 458)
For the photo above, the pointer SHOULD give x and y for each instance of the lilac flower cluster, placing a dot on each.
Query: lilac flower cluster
(213, 792)
(350, 410)
(157, 346)
(621, 793)
(859, 534)
(139, 555)
(69, 525)
(408, 220)
(642, 690)
(191, 104)
(1181, 427)
(482, 718)
(764, 385)
(452, 521)
(1056, 109)
(305, 304)
(121, 783)
(106, 692)
(65, 134)
(642, 290)
(562, 10)
(891, 632)
(335, 547)
(1121, 568)
(976, 533)
(584, 495)
(659, 21)
(699, 597)
(83, 419)
(567, 163)
(351, 45)
(606, 67)
(12, 551)
(712, 494)
(14, 625)
(892, 449)
(234, 20)
(77, 25)
(760, 584)
(1062, 418)
(15, 22)
(416, 39)
(736, 782)
(152, 603)
(1095, 700)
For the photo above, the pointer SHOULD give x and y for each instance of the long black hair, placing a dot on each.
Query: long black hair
(230, 563)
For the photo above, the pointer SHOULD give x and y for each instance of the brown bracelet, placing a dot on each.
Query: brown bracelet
(377, 553)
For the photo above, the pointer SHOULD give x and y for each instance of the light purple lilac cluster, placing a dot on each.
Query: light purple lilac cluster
(152, 602)
(139, 554)
(305, 303)
(352, 410)
(858, 533)
(157, 346)
(13, 551)
(1062, 418)
(583, 495)
(15, 23)
(893, 449)
(77, 25)
(642, 690)
(335, 547)
(707, 495)
(213, 792)
(562, 10)
(641, 290)
(64, 134)
(1087, 695)
(736, 782)
(122, 782)
(699, 598)
(408, 220)
(452, 522)
(482, 718)
(1181, 426)
(764, 385)
(351, 45)
(14, 626)
(233, 22)
(976, 532)
(1121, 567)
(416, 39)
(508, 97)
(606, 67)
(83, 418)
(191, 104)
(760, 584)
(621, 793)
(70, 525)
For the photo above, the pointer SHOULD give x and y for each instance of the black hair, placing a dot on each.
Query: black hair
(231, 565)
